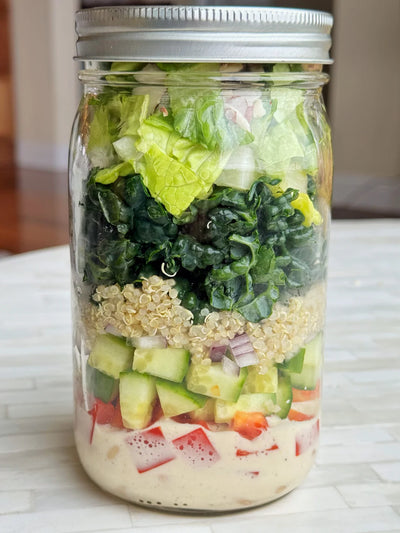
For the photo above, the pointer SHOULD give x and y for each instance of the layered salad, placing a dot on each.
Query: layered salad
(200, 254)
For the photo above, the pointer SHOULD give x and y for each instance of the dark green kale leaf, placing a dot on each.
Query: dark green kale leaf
(235, 250)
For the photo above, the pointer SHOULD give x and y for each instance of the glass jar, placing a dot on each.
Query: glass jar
(200, 206)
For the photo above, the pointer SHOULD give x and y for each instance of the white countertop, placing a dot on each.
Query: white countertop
(355, 485)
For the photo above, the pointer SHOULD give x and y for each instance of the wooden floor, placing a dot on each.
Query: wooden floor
(33, 209)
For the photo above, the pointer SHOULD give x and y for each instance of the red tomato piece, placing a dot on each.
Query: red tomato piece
(249, 425)
(105, 412)
(298, 416)
(117, 421)
(157, 413)
(196, 448)
(149, 449)
(300, 395)
(185, 418)
(244, 453)
(93, 414)
(306, 438)
(101, 413)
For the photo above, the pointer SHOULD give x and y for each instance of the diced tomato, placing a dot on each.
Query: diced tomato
(245, 453)
(117, 421)
(306, 438)
(101, 413)
(300, 395)
(196, 448)
(157, 413)
(249, 425)
(299, 416)
(93, 414)
(252, 474)
(105, 412)
(149, 449)
(185, 418)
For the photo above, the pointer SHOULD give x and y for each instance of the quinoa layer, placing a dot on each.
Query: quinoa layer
(155, 309)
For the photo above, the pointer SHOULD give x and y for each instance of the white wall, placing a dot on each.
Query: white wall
(365, 88)
(44, 77)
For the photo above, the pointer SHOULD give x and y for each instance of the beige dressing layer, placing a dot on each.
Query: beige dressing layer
(239, 474)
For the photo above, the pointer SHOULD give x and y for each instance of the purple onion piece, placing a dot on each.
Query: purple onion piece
(157, 341)
(243, 351)
(112, 330)
(217, 353)
(246, 359)
(243, 348)
(230, 367)
(239, 340)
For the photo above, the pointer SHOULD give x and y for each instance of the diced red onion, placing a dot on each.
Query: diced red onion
(243, 351)
(156, 341)
(112, 330)
(246, 359)
(239, 339)
(243, 348)
(217, 353)
(230, 367)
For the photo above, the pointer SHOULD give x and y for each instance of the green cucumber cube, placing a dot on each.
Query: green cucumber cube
(284, 395)
(261, 383)
(250, 403)
(111, 355)
(166, 363)
(101, 386)
(295, 363)
(314, 351)
(175, 399)
(137, 396)
(211, 380)
(311, 371)
(205, 413)
(307, 379)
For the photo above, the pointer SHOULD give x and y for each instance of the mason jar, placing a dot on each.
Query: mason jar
(200, 185)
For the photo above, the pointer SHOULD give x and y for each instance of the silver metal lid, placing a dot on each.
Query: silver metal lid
(203, 34)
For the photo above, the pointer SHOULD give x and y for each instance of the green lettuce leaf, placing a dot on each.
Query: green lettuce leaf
(202, 120)
(284, 144)
(115, 117)
(169, 181)
(102, 133)
(197, 167)
(106, 176)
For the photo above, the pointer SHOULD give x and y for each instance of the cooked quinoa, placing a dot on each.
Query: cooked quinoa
(155, 309)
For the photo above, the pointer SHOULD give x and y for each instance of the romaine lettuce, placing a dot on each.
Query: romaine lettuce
(170, 160)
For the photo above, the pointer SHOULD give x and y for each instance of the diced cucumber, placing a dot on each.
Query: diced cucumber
(311, 370)
(256, 402)
(175, 399)
(265, 383)
(212, 381)
(111, 355)
(101, 386)
(166, 363)
(307, 379)
(206, 412)
(284, 395)
(137, 395)
(295, 363)
(314, 349)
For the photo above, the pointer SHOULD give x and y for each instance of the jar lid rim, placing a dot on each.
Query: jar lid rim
(203, 34)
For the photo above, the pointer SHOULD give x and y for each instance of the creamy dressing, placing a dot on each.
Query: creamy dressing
(234, 473)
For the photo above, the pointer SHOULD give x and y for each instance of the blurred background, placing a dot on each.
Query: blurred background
(39, 94)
